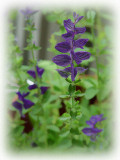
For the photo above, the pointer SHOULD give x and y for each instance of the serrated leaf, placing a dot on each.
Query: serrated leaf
(65, 117)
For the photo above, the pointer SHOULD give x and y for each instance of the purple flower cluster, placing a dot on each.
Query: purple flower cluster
(32, 73)
(69, 45)
(93, 131)
(28, 12)
(25, 103)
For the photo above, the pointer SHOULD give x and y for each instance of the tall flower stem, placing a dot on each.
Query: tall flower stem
(37, 78)
(38, 82)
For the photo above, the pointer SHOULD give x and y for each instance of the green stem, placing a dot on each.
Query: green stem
(37, 78)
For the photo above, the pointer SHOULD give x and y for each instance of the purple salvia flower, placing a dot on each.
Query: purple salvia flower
(27, 103)
(69, 25)
(40, 72)
(18, 106)
(28, 12)
(76, 17)
(94, 119)
(80, 56)
(79, 43)
(33, 86)
(93, 131)
(80, 30)
(32, 73)
(69, 45)
(43, 89)
(24, 102)
(22, 96)
(62, 60)
(63, 47)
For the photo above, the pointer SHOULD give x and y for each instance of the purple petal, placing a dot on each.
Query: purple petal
(28, 12)
(32, 73)
(78, 19)
(62, 60)
(80, 43)
(97, 118)
(69, 25)
(40, 71)
(91, 131)
(80, 69)
(43, 89)
(82, 55)
(63, 47)
(21, 96)
(27, 103)
(91, 124)
(74, 14)
(17, 105)
(63, 73)
(94, 119)
(80, 30)
(68, 35)
(33, 86)
(73, 72)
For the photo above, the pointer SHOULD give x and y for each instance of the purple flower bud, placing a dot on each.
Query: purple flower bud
(21, 96)
(80, 30)
(63, 47)
(80, 43)
(94, 119)
(33, 86)
(78, 19)
(17, 105)
(40, 71)
(28, 12)
(43, 89)
(80, 56)
(91, 131)
(69, 25)
(62, 60)
(68, 36)
(27, 103)
(32, 73)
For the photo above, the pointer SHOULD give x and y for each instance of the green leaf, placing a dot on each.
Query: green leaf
(90, 93)
(79, 94)
(65, 117)
(53, 128)
(65, 134)
(68, 80)
(64, 96)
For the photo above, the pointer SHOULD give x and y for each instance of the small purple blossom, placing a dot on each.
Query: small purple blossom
(94, 119)
(32, 73)
(24, 103)
(28, 12)
(68, 46)
(93, 131)
(40, 72)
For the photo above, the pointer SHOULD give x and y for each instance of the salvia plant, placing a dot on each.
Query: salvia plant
(57, 105)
